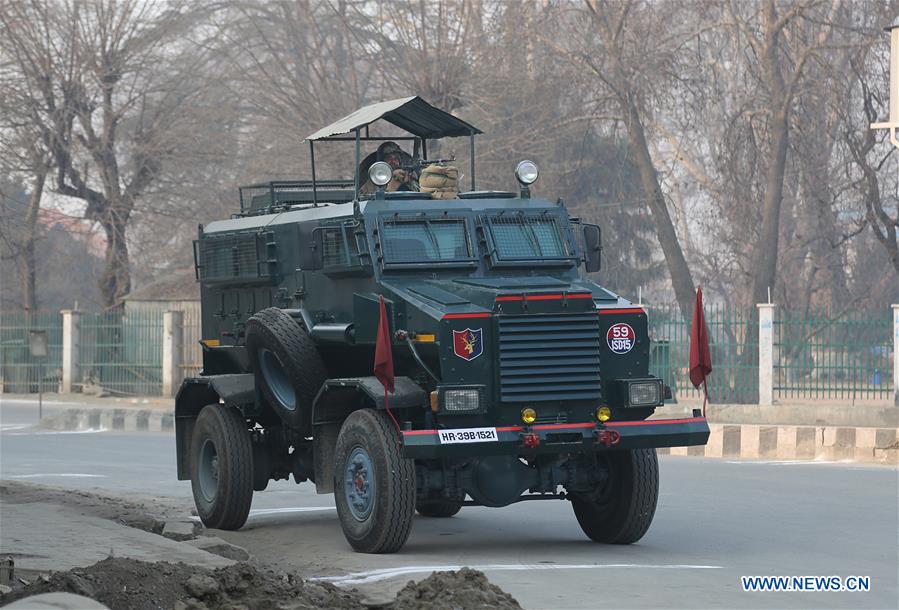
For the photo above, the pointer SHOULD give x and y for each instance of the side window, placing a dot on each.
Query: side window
(340, 249)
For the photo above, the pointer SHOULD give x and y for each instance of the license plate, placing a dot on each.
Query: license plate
(467, 435)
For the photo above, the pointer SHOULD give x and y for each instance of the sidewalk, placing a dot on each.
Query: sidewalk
(47, 530)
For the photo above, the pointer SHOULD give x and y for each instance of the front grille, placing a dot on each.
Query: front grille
(549, 357)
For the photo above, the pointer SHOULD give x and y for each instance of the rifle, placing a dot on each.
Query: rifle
(417, 165)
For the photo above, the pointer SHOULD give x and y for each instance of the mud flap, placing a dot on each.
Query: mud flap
(323, 444)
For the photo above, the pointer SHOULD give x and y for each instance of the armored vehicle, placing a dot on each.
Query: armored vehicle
(514, 377)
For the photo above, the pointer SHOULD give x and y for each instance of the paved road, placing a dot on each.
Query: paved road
(716, 521)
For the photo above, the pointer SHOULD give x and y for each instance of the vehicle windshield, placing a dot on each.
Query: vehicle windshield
(521, 236)
(423, 240)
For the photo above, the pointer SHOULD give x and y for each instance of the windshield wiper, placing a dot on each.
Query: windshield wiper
(532, 236)
(432, 238)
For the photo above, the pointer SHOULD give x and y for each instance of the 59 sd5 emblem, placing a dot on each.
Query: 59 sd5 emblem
(468, 344)
(621, 338)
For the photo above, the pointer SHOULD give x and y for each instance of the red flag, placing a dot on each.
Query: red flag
(700, 357)
(384, 351)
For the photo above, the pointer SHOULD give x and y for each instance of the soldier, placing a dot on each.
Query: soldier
(393, 155)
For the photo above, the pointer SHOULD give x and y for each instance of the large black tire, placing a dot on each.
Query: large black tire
(622, 511)
(288, 367)
(221, 467)
(374, 486)
(439, 507)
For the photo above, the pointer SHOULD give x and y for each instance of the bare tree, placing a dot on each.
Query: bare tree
(870, 162)
(630, 48)
(122, 75)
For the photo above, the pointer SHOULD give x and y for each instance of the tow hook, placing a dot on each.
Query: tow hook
(608, 437)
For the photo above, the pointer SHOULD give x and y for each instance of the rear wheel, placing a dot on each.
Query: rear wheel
(287, 365)
(221, 467)
(622, 510)
(374, 486)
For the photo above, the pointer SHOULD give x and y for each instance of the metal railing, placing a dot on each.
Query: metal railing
(733, 335)
(817, 355)
(191, 351)
(122, 352)
(19, 370)
(843, 355)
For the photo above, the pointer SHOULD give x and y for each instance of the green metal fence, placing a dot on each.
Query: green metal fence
(817, 355)
(844, 355)
(733, 338)
(191, 351)
(19, 370)
(122, 352)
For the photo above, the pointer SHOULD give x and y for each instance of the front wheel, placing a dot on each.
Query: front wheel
(374, 486)
(622, 510)
(221, 467)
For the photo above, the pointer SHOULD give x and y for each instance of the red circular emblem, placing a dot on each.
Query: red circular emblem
(621, 338)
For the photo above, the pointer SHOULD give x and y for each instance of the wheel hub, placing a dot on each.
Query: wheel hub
(209, 470)
(276, 377)
(359, 483)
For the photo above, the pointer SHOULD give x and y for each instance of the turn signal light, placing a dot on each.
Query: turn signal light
(604, 414)
(528, 416)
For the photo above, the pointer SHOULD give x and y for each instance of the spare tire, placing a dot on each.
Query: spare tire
(287, 366)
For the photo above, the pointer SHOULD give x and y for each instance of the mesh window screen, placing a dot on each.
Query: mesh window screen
(522, 236)
(229, 257)
(332, 247)
(406, 241)
(339, 246)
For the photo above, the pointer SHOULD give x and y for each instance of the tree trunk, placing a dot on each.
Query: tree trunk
(684, 289)
(764, 271)
(27, 264)
(115, 281)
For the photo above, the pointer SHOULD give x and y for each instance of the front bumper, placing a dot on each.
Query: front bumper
(564, 438)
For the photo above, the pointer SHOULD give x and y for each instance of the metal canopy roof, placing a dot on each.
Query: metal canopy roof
(412, 114)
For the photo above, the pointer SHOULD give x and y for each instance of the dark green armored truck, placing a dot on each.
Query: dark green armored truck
(516, 377)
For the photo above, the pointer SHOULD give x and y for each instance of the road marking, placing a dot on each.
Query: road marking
(277, 511)
(71, 475)
(46, 432)
(789, 462)
(34, 401)
(361, 578)
(296, 509)
(4, 427)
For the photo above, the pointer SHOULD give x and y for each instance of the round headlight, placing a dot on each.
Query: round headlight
(380, 173)
(526, 172)
(528, 415)
(604, 414)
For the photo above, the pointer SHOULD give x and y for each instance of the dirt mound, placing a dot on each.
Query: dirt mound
(466, 588)
(129, 583)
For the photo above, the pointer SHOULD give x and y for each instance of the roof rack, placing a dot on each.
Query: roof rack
(267, 197)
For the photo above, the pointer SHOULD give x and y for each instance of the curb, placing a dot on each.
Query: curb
(126, 420)
(733, 441)
(747, 441)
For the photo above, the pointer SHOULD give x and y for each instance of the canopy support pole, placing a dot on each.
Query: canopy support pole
(471, 139)
(356, 175)
(312, 159)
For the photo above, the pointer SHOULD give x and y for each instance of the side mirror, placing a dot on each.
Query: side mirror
(592, 247)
